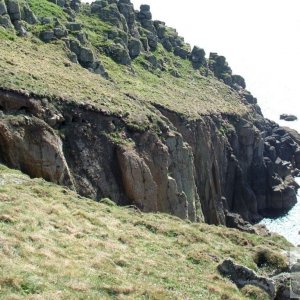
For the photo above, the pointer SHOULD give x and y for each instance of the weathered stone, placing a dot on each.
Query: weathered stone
(242, 276)
(197, 57)
(134, 47)
(6, 22)
(3, 9)
(239, 80)
(287, 117)
(60, 32)
(119, 54)
(20, 28)
(182, 52)
(13, 9)
(33, 147)
(73, 26)
(29, 16)
(86, 55)
(47, 36)
(152, 40)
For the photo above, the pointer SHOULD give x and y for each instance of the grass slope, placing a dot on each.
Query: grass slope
(56, 245)
(29, 64)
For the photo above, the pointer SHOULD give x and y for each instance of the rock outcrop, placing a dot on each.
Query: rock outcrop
(243, 276)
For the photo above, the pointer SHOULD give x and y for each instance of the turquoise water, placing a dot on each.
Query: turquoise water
(289, 224)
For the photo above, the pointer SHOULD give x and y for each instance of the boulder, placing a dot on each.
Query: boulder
(3, 9)
(47, 35)
(182, 52)
(119, 54)
(60, 32)
(13, 9)
(74, 26)
(288, 118)
(29, 16)
(6, 22)
(134, 47)
(243, 276)
(239, 80)
(152, 40)
(197, 57)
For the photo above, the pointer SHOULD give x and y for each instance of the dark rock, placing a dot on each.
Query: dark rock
(134, 47)
(234, 220)
(282, 282)
(86, 56)
(6, 22)
(20, 28)
(197, 57)
(242, 276)
(152, 40)
(167, 44)
(13, 9)
(60, 32)
(119, 54)
(98, 68)
(29, 16)
(73, 57)
(3, 9)
(239, 80)
(182, 52)
(47, 35)
(73, 26)
(289, 118)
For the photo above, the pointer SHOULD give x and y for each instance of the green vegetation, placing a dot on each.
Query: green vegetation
(57, 245)
(44, 8)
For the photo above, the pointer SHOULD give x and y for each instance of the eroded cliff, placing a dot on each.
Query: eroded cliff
(163, 128)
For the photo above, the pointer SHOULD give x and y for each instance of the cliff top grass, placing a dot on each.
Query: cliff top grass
(57, 245)
(44, 69)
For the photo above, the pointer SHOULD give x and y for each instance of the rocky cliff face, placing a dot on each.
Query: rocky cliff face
(197, 170)
(201, 169)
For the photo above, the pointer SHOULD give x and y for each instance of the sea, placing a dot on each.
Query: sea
(287, 225)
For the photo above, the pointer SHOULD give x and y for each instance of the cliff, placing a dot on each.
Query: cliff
(104, 100)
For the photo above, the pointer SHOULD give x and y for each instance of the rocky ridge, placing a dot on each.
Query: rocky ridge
(201, 169)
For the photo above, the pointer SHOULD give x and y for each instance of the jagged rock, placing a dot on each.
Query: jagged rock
(60, 32)
(73, 26)
(167, 44)
(127, 10)
(29, 16)
(236, 221)
(119, 54)
(242, 276)
(6, 22)
(239, 80)
(45, 20)
(75, 5)
(86, 56)
(197, 57)
(13, 9)
(282, 282)
(33, 147)
(3, 9)
(98, 68)
(289, 118)
(47, 35)
(182, 52)
(152, 40)
(282, 198)
(73, 57)
(20, 28)
(112, 15)
(134, 47)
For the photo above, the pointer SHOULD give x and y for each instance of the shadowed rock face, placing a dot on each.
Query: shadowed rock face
(242, 276)
(197, 170)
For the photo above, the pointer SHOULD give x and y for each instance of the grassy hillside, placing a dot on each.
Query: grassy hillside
(29, 64)
(56, 245)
